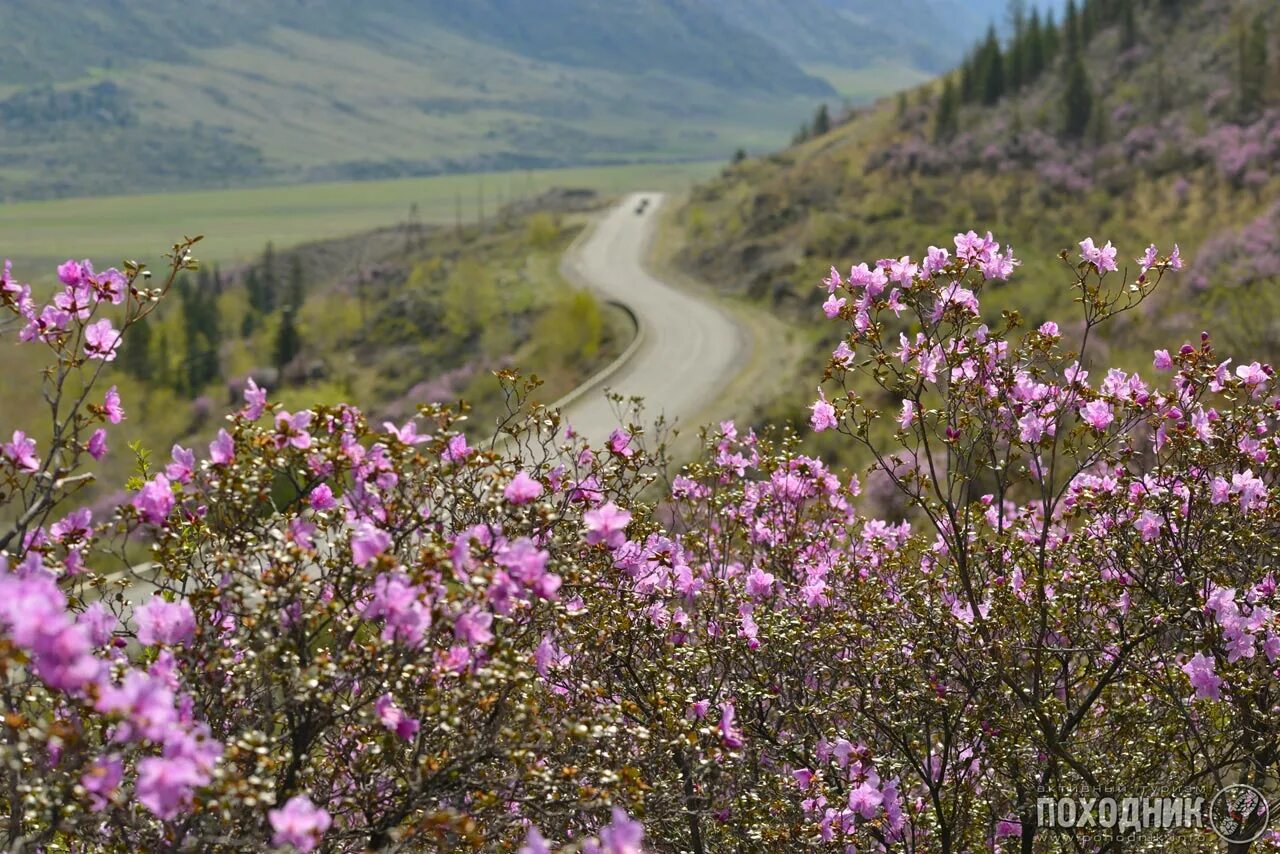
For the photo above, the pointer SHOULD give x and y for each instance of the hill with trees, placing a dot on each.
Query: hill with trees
(1132, 120)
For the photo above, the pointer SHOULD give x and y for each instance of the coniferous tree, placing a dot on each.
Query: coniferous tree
(1035, 51)
(297, 283)
(948, 108)
(1071, 32)
(968, 79)
(1252, 64)
(135, 352)
(821, 121)
(1077, 99)
(270, 279)
(1128, 25)
(288, 342)
(1016, 57)
(1052, 39)
(993, 77)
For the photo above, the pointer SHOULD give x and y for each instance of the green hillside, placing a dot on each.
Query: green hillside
(1155, 121)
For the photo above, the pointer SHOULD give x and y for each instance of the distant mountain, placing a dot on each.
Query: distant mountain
(118, 95)
(930, 35)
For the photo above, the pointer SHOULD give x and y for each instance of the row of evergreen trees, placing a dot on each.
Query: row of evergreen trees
(994, 69)
(148, 355)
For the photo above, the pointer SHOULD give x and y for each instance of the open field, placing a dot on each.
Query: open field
(236, 223)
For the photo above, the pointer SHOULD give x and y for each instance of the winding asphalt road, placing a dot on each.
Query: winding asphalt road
(687, 349)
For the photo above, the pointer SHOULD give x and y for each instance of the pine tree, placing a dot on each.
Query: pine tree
(1253, 66)
(1052, 39)
(1071, 31)
(993, 78)
(297, 283)
(1035, 52)
(822, 121)
(945, 124)
(270, 279)
(1017, 54)
(1128, 25)
(135, 352)
(288, 342)
(1077, 99)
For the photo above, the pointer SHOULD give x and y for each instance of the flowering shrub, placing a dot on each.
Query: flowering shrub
(324, 634)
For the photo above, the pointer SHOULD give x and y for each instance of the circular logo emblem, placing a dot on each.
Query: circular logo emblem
(1239, 813)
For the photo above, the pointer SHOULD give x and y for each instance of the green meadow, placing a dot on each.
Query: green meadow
(236, 223)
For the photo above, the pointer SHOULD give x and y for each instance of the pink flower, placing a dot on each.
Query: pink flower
(394, 719)
(407, 435)
(522, 489)
(833, 305)
(456, 451)
(1162, 361)
(102, 780)
(111, 405)
(292, 429)
(937, 261)
(607, 524)
(1049, 329)
(908, 416)
(161, 622)
(165, 786)
(367, 542)
(620, 443)
(1148, 524)
(1207, 684)
(255, 401)
(759, 583)
(155, 500)
(1097, 414)
(472, 627)
(101, 340)
(222, 450)
(183, 465)
(299, 823)
(548, 655)
(400, 604)
(622, 835)
(1102, 258)
(21, 452)
(534, 843)
(321, 498)
(824, 414)
(729, 734)
(70, 273)
(97, 446)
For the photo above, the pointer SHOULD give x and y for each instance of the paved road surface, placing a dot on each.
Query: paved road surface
(689, 349)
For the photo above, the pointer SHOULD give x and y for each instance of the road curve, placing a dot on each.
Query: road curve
(688, 350)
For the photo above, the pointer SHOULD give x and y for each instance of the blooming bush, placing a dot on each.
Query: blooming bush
(325, 634)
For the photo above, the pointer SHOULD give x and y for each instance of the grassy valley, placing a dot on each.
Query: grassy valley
(386, 319)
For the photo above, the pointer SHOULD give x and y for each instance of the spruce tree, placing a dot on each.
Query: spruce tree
(135, 352)
(1035, 52)
(1071, 31)
(1253, 66)
(1077, 99)
(297, 283)
(948, 107)
(1128, 25)
(822, 121)
(993, 78)
(288, 342)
